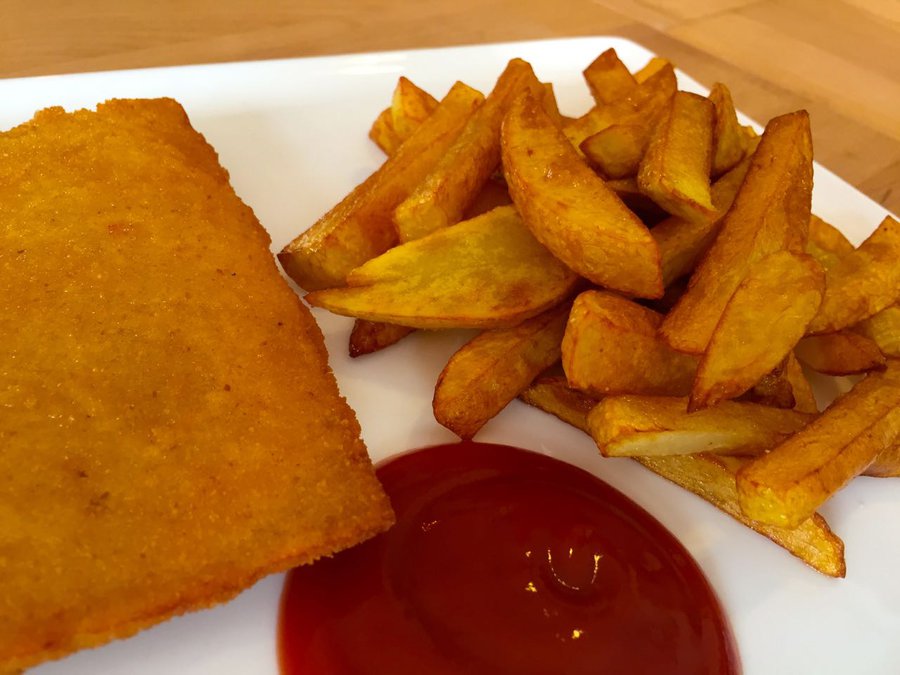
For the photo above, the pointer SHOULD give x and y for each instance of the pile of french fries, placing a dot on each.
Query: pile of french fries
(649, 272)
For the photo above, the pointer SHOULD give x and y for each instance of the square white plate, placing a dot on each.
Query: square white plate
(293, 135)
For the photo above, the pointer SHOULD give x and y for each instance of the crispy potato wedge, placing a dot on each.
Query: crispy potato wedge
(611, 347)
(410, 106)
(730, 143)
(490, 370)
(770, 213)
(644, 105)
(884, 329)
(682, 242)
(360, 227)
(550, 105)
(640, 204)
(486, 272)
(710, 477)
(840, 353)
(570, 210)
(443, 195)
(609, 79)
(863, 282)
(383, 133)
(617, 150)
(632, 426)
(827, 237)
(368, 337)
(674, 171)
(781, 292)
(785, 486)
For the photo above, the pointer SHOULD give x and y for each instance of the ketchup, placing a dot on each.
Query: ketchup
(504, 561)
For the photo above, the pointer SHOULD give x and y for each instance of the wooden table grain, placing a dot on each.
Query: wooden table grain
(839, 59)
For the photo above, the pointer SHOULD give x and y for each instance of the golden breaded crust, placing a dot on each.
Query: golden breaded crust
(170, 430)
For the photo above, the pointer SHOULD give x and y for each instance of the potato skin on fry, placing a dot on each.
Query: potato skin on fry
(841, 353)
(493, 368)
(571, 211)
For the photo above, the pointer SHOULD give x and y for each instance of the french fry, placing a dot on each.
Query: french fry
(360, 227)
(383, 133)
(730, 143)
(570, 210)
(682, 242)
(486, 272)
(640, 204)
(611, 347)
(785, 486)
(863, 282)
(410, 106)
(368, 337)
(609, 79)
(739, 354)
(884, 329)
(490, 370)
(886, 464)
(635, 426)
(443, 195)
(840, 353)
(710, 477)
(827, 237)
(674, 171)
(770, 213)
(617, 150)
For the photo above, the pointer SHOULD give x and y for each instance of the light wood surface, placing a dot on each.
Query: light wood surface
(839, 59)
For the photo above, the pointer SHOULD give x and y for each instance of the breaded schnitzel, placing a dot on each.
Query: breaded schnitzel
(169, 428)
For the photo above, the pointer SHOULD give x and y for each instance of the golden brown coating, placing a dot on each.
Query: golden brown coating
(170, 430)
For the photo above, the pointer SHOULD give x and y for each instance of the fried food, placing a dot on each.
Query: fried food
(840, 353)
(171, 431)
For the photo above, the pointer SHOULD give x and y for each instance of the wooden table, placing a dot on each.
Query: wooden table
(836, 58)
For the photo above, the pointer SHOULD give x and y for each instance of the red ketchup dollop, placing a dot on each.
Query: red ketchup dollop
(505, 561)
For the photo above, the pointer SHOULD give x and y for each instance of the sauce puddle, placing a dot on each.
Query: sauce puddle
(505, 561)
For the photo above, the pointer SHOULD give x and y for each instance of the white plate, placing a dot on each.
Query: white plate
(293, 135)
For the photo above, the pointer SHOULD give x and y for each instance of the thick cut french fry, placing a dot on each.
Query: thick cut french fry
(486, 272)
(383, 133)
(781, 292)
(682, 242)
(617, 150)
(827, 237)
(840, 353)
(368, 337)
(710, 477)
(785, 486)
(640, 204)
(770, 213)
(674, 171)
(360, 227)
(730, 143)
(570, 210)
(609, 79)
(633, 426)
(863, 282)
(886, 464)
(493, 368)
(611, 347)
(410, 106)
(444, 194)
(884, 329)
